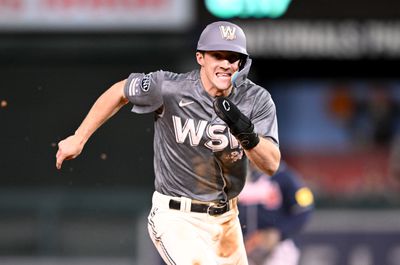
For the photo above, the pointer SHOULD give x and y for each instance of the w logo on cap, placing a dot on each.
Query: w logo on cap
(228, 32)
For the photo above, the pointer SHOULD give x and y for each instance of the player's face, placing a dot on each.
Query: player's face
(217, 68)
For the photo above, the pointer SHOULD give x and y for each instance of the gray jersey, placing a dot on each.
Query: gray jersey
(194, 154)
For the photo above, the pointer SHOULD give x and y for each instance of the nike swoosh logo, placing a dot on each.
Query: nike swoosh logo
(183, 103)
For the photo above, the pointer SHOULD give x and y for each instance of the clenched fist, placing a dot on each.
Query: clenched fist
(68, 149)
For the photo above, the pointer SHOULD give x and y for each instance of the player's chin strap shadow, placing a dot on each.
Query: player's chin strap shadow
(240, 76)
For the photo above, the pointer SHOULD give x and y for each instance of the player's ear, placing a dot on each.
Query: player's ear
(200, 57)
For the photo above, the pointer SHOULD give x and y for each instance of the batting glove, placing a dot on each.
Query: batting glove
(240, 126)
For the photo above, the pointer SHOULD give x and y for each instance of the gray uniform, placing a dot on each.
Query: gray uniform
(195, 156)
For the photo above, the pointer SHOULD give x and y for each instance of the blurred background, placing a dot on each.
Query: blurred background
(332, 68)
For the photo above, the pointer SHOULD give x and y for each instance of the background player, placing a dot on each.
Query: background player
(273, 210)
(208, 124)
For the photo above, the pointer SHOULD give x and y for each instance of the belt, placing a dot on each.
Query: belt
(214, 209)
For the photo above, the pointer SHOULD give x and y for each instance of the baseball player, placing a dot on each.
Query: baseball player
(208, 124)
(272, 211)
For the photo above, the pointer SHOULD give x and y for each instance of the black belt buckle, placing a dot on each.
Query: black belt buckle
(218, 209)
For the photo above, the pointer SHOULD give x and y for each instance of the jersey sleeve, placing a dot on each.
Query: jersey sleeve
(264, 117)
(144, 91)
(298, 197)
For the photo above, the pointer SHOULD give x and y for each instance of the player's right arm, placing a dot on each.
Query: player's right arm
(109, 103)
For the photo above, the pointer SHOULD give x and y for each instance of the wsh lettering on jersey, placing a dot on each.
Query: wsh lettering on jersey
(216, 138)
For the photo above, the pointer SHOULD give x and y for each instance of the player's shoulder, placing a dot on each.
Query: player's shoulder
(258, 95)
(181, 77)
(253, 89)
(175, 84)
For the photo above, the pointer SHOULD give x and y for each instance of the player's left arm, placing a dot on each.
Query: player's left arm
(265, 155)
(262, 151)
